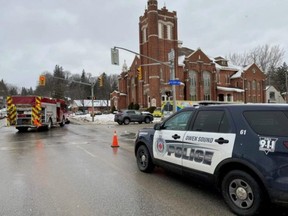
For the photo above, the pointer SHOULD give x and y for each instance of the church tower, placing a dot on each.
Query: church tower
(157, 36)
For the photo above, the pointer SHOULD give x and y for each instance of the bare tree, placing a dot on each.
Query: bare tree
(266, 57)
(239, 59)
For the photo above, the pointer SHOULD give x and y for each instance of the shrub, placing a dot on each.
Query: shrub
(151, 109)
(136, 106)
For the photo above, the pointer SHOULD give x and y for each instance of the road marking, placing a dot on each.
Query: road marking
(85, 150)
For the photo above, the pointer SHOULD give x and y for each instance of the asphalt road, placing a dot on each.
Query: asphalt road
(74, 171)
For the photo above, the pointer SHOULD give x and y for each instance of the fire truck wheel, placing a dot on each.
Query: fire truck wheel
(63, 122)
(22, 129)
(49, 124)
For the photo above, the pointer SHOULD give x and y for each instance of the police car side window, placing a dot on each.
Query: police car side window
(225, 126)
(211, 121)
(179, 121)
(269, 123)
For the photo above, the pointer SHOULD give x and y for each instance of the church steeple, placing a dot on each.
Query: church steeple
(152, 5)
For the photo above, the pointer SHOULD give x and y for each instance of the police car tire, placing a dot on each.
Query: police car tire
(144, 160)
(244, 184)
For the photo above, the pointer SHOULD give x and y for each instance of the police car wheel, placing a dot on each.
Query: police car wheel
(144, 160)
(242, 193)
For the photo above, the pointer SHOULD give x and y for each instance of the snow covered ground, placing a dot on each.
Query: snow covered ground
(99, 119)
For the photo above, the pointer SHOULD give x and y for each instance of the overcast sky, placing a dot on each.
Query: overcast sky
(36, 35)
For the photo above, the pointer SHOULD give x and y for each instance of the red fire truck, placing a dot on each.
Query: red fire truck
(24, 112)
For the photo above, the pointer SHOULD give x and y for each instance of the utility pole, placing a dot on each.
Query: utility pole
(92, 99)
(171, 57)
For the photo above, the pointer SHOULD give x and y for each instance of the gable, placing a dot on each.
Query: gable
(254, 72)
(198, 55)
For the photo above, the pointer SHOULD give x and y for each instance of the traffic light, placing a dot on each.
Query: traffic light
(139, 72)
(42, 80)
(100, 79)
(115, 56)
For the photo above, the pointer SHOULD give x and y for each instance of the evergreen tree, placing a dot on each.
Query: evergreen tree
(12, 90)
(3, 88)
(24, 91)
(59, 84)
(85, 89)
(279, 77)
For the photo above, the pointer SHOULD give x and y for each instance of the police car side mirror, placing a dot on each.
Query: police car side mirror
(157, 126)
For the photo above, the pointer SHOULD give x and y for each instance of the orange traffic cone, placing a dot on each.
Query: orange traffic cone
(115, 140)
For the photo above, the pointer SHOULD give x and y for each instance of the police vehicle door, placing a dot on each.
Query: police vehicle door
(168, 142)
(209, 141)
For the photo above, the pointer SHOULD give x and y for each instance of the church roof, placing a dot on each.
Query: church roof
(184, 51)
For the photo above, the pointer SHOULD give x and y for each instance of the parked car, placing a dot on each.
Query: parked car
(166, 114)
(79, 113)
(157, 112)
(241, 149)
(127, 116)
(3, 113)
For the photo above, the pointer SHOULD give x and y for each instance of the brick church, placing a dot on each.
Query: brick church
(202, 77)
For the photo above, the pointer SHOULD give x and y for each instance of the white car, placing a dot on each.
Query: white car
(3, 113)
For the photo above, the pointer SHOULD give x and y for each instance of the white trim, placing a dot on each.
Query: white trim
(229, 89)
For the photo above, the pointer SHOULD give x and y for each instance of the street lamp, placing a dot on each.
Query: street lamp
(286, 84)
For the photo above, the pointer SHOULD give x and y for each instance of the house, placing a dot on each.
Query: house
(273, 95)
(86, 105)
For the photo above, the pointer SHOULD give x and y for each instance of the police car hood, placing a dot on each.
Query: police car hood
(146, 131)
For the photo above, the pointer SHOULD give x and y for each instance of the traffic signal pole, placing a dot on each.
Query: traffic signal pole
(92, 91)
(170, 64)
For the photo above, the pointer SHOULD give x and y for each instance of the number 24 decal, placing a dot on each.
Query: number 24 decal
(242, 132)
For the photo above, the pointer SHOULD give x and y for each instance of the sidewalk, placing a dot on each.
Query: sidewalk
(3, 122)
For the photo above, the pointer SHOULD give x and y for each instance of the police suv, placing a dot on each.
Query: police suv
(241, 148)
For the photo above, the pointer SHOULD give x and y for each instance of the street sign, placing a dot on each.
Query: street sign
(174, 82)
(171, 55)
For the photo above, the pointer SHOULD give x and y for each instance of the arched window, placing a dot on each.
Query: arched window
(144, 35)
(254, 85)
(193, 85)
(207, 85)
(169, 32)
(160, 30)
